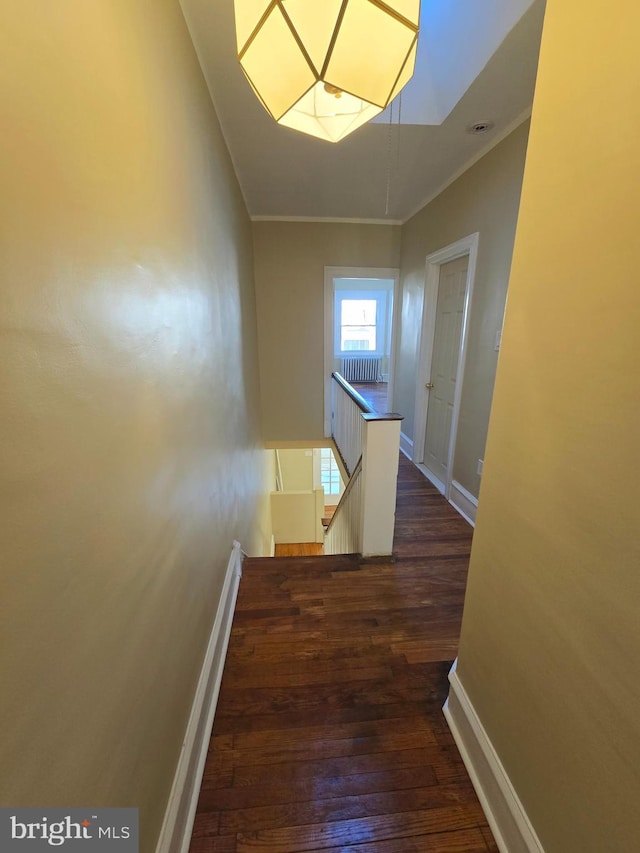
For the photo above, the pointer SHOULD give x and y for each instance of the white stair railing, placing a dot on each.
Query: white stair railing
(369, 445)
(343, 533)
(347, 426)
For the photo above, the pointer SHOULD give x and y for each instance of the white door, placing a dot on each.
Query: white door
(444, 368)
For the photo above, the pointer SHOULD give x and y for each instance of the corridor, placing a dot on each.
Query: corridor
(329, 733)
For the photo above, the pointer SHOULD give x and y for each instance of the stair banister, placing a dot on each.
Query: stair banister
(369, 446)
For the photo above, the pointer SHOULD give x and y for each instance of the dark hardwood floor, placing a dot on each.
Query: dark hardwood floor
(329, 734)
(375, 393)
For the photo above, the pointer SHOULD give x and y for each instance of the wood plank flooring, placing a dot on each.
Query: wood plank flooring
(375, 393)
(329, 734)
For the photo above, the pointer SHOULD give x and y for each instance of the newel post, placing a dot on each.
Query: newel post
(380, 455)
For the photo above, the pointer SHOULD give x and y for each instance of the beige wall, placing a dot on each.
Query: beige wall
(130, 452)
(297, 516)
(290, 258)
(296, 466)
(485, 199)
(550, 645)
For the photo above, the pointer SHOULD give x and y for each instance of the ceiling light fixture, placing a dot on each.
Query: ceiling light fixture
(325, 67)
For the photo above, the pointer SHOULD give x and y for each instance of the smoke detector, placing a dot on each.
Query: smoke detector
(479, 127)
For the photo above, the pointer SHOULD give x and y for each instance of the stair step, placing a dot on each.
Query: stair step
(325, 562)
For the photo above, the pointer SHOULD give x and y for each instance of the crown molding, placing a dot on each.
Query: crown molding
(327, 220)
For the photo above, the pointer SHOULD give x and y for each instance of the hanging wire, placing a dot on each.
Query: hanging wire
(389, 140)
(389, 150)
(398, 136)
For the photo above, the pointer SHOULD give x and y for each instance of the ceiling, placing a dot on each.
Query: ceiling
(476, 62)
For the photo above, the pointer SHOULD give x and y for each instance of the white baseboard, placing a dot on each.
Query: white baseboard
(505, 813)
(431, 477)
(463, 501)
(177, 827)
(406, 446)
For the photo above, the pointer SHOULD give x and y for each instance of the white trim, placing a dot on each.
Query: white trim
(331, 273)
(431, 477)
(339, 220)
(469, 519)
(468, 512)
(507, 818)
(495, 140)
(466, 246)
(464, 502)
(406, 446)
(175, 835)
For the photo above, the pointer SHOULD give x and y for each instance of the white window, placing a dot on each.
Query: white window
(329, 472)
(361, 322)
(358, 324)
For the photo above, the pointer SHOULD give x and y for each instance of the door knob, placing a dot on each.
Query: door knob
(429, 386)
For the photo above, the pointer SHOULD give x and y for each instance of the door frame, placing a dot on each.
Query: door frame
(435, 260)
(331, 273)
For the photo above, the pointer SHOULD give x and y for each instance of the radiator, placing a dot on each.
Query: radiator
(361, 369)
